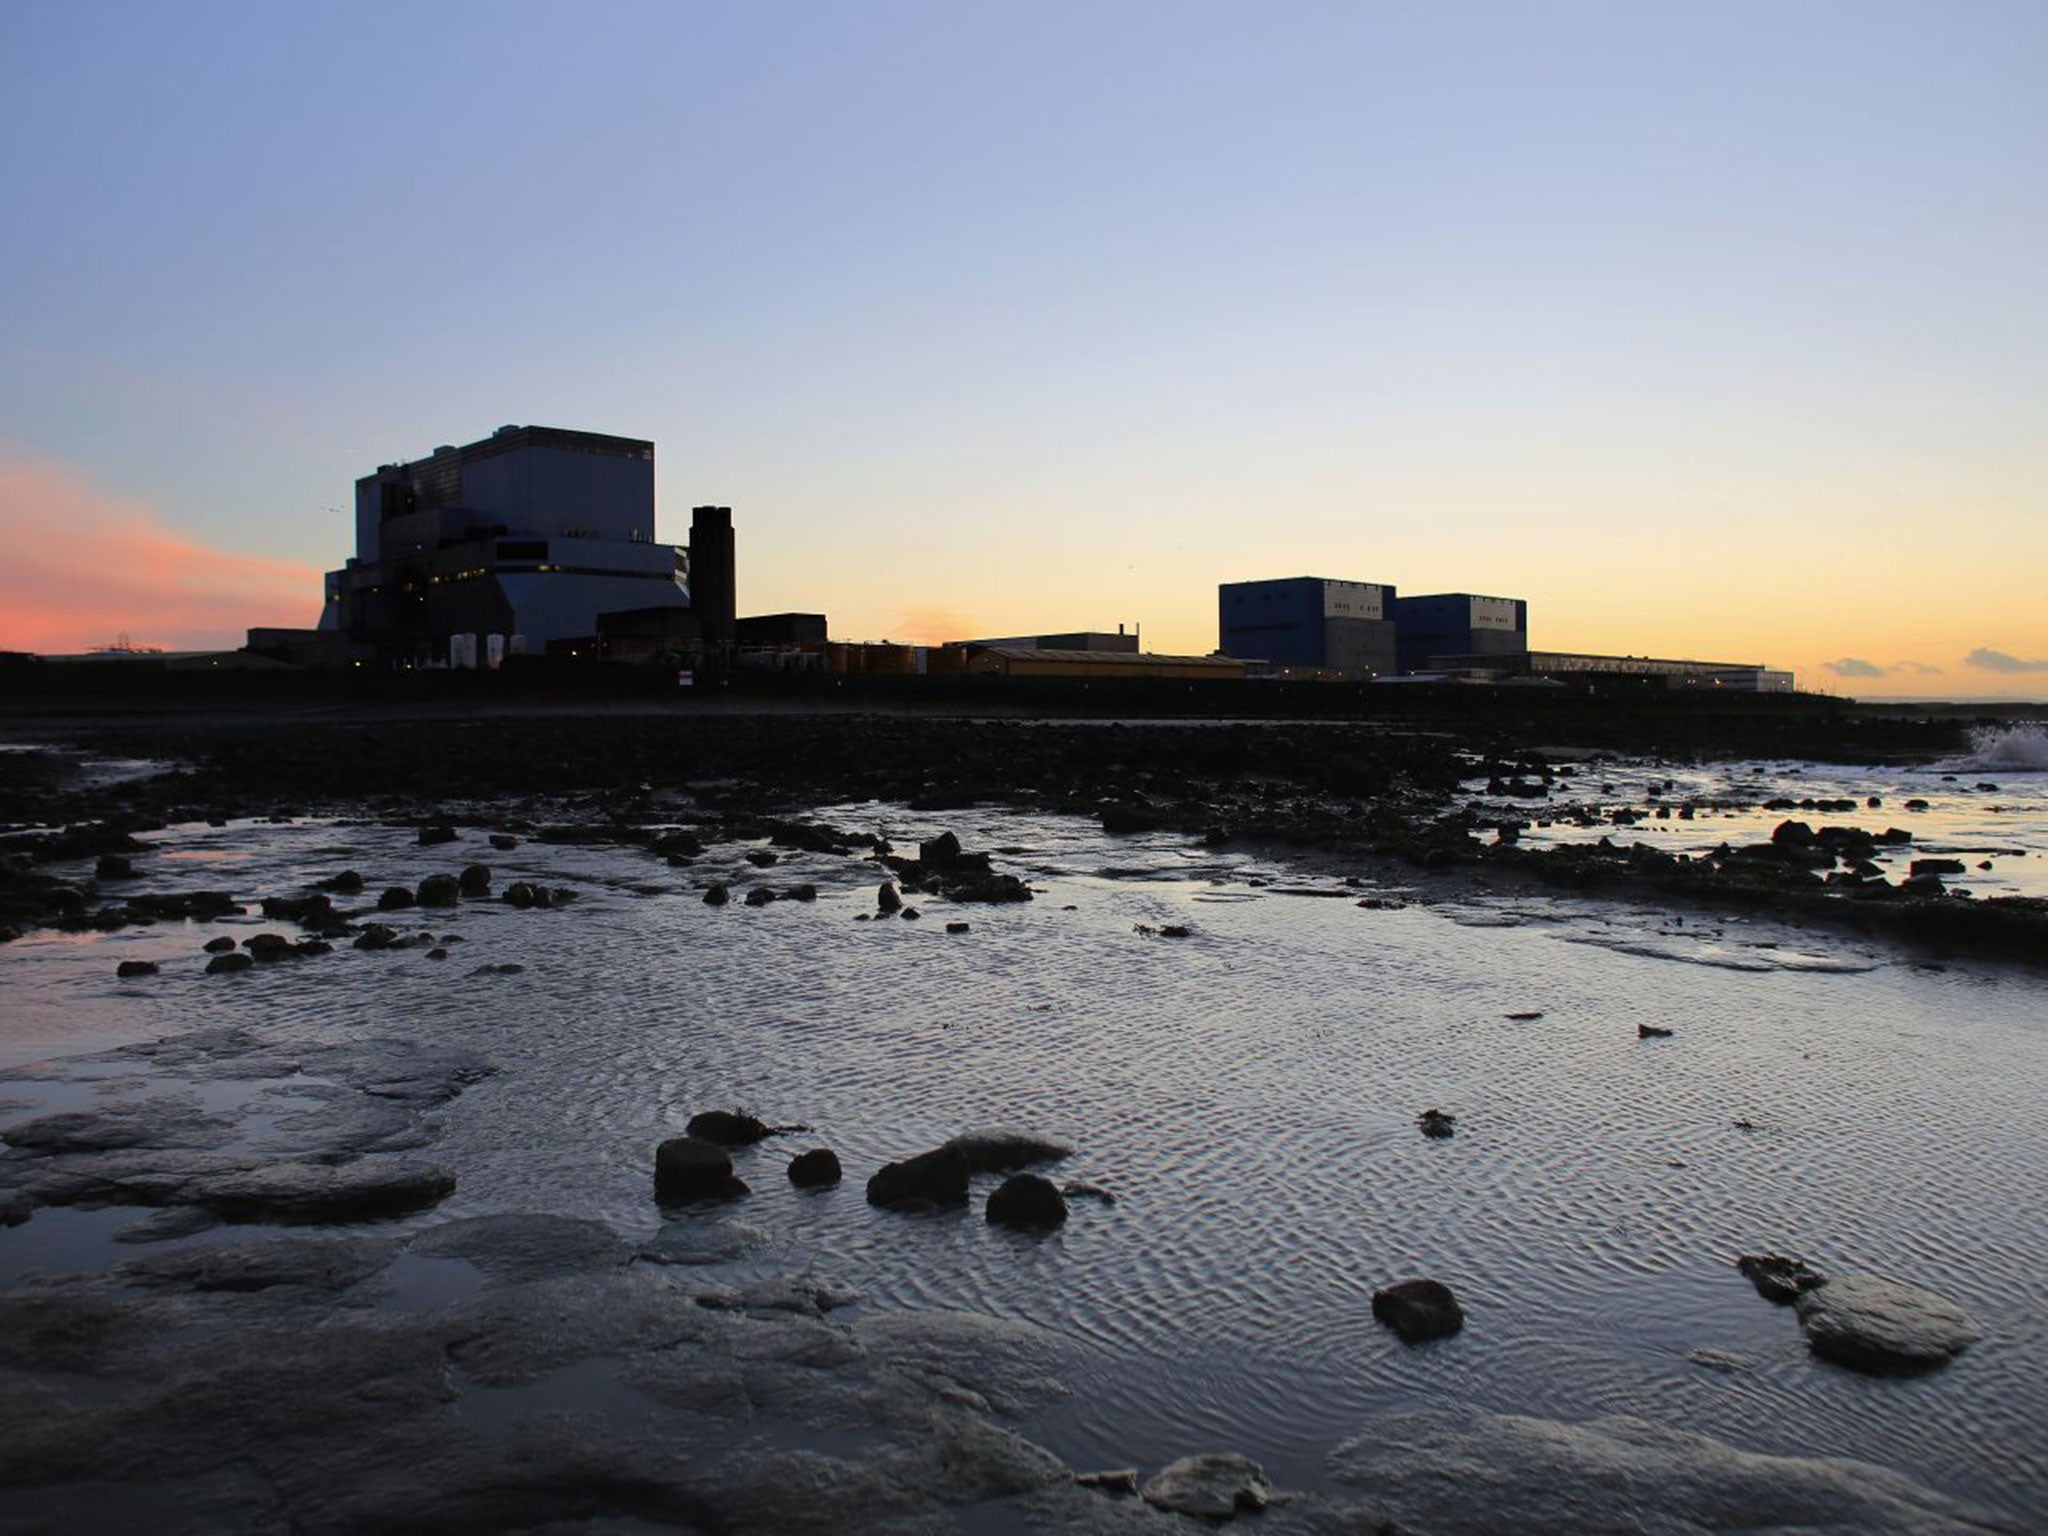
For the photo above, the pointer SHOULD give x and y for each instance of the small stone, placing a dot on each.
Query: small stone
(717, 896)
(959, 927)
(233, 960)
(1027, 1203)
(504, 842)
(127, 970)
(429, 836)
(1437, 1125)
(687, 1168)
(1122, 1481)
(1779, 1277)
(1419, 1310)
(219, 946)
(1652, 1032)
(886, 898)
(815, 1169)
(395, 898)
(727, 1128)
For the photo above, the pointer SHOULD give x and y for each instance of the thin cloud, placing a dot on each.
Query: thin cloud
(1918, 668)
(84, 566)
(1854, 666)
(1999, 661)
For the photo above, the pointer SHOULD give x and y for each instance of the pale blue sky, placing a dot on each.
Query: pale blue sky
(1054, 315)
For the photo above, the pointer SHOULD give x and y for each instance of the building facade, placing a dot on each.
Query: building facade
(1458, 624)
(531, 534)
(1309, 622)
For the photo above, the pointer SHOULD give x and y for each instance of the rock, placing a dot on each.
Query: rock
(127, 970)
(475, 880)
(1028, 1203)
(161, 1226)
(113, 866)
(313, 1264)
(1652, 1032)
(376, 936)
(759, 896)
(525, 894)
(1122, 1481)
(442, 890)
(361, 1191)
(717, 896)
(1526, 1017)
(1460, 1472)
(347, 883)
(815, 1169)
(935, 1180)
(939, 852)
(886, 899)
(504, 842)
(1779, 1278)
(1081, 1189)
(219, 946)
(701, 1242)
(429, 836)
(15, 1208)
(959, 927)
(727, 1128)
(231, 961)
(395, 899)
(1419, 1310)
(1884, 1327)
(1936, 867)
(526, 1246)
(1005, 1151)
(985, 888)
(688, 1168)
(1212, 1487)
(804, 892)
(1437, 1125)
(910, 913)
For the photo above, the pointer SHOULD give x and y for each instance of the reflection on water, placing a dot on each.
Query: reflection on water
(1247, 1093)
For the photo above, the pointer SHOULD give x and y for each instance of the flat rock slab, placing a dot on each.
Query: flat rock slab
(1885, 1327)
(315, 1192)
(1214, 1487)
(1458, 1472)
(526, 1247)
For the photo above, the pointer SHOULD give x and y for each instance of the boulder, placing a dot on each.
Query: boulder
(815, 1169)
(395, 898)
(1884, 1327)
(362, 1191)
(504, 842)
(113, 866)
(1419, 1310)
(935, 1180)
(232, 960)
(128, 970)
(429, 836)
(347, 883)
(759, 896)
(690, 1168)
(727, 1128)
(1005, 1151)
(886, 899)
(441, 891)
(717, 896)
(218, 946)
(475, 880)
(1028, 1203)
(1211, 1487)
(1437, 1125)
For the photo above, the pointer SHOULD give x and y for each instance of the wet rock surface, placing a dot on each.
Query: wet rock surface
(1882, 1326)
(1455, 1472)
(1419, 1310)
(1216, 1486)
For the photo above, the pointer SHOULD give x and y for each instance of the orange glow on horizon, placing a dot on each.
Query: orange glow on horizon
(84, 566)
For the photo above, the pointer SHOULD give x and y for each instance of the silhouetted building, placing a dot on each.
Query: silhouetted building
(1585, 667)
(1078, 640)
(1309, 621)
(1458, 624)
(714, 595)
(781, 629)
(1039, 661)
(530, 535)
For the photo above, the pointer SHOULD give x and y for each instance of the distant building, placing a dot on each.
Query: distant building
(1078, 640)
(1458, 624)
(1577, 666)
(531, 534)
(1084, 665)
(1310, 622)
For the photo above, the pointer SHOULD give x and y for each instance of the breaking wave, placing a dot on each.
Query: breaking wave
(2006, 749)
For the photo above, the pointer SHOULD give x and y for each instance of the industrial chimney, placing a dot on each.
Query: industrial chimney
(712, 594)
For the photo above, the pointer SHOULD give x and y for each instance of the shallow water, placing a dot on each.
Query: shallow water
(1248, 1093)
(1988, 808)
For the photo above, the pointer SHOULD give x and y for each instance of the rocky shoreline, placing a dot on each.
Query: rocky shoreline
(1338, 790)
(546, 1372)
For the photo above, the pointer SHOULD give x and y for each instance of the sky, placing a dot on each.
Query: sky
(1713, 331)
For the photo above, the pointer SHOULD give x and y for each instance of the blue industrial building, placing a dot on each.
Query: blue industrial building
(530, 535)
(1310, 622)
(1460, 624)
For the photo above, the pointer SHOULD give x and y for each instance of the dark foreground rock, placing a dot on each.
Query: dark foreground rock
(1419, 1310)
(1027, 1203)
(931, 1181)
(1458, 1472)
(1003, 1151)
(1884, 1327)
(1211, 1487)
(815, 1169)
(1779, 1277)
(728, 1128)
(688, 1168)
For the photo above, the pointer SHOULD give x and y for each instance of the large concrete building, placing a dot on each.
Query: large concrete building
(1458, 624)
(1309, 622)
(531, 534)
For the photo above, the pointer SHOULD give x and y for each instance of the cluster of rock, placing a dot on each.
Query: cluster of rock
(1868, 1323)
(698, 1166)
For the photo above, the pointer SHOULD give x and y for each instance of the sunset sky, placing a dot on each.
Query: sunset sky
(1712, 330)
